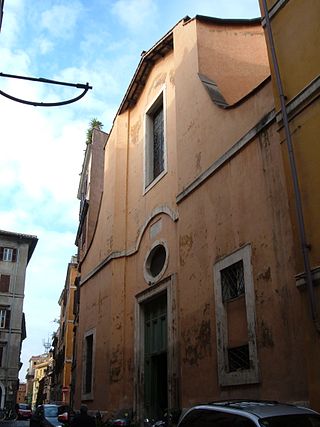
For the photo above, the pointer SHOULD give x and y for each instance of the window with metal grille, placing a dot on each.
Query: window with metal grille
(158, 158)
(238, 358)
(235, 319)
(155, 141)
(232, 281)
(4, 282)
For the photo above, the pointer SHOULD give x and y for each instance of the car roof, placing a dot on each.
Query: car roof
(261, 409)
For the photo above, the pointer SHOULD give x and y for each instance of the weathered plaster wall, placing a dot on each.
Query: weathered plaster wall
(233, 56)
(243, 201)
(204, 130)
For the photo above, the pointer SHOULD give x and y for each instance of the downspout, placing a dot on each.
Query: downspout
(297, 193)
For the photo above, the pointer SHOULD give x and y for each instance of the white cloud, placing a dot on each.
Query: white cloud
(14, 62)
(44, 45)
(136, 14)
(13, 21)
(60, 21)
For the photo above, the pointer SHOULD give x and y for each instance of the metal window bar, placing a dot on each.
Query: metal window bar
(232, 281)
(158, 143)
(238, 358)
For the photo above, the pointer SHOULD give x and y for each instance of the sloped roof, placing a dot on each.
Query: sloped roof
(159, 50)
(28, 238)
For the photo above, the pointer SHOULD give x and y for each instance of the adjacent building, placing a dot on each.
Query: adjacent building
(22, 393)
(39, 375)
(292, 34)
(16, 250)
(63, 341)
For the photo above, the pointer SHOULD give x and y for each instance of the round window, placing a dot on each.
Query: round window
(156, 263)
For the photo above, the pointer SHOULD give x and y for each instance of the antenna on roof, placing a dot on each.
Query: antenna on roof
(46, 345)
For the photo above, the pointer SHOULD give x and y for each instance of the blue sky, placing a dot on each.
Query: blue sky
(95, 41)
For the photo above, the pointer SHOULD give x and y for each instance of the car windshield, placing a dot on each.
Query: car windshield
(51, 411)
(301, 420)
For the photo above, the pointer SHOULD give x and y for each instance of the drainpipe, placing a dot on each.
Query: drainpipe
(297, 193)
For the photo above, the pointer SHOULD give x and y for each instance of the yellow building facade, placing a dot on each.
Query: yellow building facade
(43, 364)
(63, 341)
(292, 33)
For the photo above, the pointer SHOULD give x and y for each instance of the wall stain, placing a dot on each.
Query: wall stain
(198, 161)
(135, 131)
(197, 342)
(116, 365)
(171, 77)
(266, 275)
(159, 80)
(266, 335)
(185, 244)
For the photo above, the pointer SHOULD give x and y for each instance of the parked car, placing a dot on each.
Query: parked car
(46, 415)
(23, 411)
(248, 413)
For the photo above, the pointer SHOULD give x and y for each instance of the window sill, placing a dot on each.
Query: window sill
(301, 278)
(154, 182)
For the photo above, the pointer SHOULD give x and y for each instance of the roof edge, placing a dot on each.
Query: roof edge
(31, 239)
(229, 21)
(146, 62)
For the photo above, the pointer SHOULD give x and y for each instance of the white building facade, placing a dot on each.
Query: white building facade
(16, 250)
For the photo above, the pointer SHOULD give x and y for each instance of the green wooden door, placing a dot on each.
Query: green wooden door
(155, 357)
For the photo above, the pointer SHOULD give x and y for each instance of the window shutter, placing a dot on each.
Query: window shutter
(14, 255)
(8, 312)
(1, 253)
(4, 282)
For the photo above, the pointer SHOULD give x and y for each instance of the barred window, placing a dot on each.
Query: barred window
(238, 358)
(158, 159)
(155, 141)
(232, 281)
(235, 319)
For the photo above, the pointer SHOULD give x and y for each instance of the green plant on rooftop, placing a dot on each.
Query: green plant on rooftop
(94, 124)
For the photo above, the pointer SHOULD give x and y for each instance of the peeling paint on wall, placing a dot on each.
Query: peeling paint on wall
(265, 275)
(197, 341)
(185, 244)
(116, 365)
(266, 335)
(135, 131)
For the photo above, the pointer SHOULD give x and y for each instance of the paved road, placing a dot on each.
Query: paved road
(14, 423)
